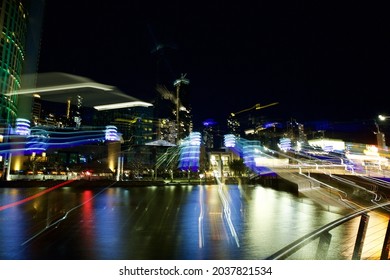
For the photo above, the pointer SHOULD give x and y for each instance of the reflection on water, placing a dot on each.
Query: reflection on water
(172, 222)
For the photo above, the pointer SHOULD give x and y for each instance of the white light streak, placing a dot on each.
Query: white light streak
(122, 105)
(62, 87)
(200, 219)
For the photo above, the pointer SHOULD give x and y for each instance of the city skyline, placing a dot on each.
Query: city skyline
(90, 170)
(317, 61)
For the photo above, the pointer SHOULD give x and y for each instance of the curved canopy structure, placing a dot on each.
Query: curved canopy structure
(60, 87)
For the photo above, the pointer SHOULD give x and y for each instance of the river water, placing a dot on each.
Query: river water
(190, 222)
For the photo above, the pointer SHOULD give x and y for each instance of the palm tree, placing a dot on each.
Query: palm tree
(238, 167)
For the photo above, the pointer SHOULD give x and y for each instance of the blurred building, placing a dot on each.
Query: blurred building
(183, 108)
(20, 22)
(173, 109)
(72, 117)
(136, 124)
(13, 23)
(14, 20)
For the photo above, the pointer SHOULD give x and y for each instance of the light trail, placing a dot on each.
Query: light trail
(227, 211)
(13, 204)
(62, 87)
(45, 139)
(353, 184)
(57, 222)
(201, 219)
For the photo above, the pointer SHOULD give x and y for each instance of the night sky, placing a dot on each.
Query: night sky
(318, 59)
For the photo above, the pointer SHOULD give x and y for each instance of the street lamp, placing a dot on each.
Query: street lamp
(380, 136)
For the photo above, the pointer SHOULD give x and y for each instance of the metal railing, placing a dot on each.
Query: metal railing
(325, 237)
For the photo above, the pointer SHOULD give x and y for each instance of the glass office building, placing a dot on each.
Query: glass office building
(13, 23)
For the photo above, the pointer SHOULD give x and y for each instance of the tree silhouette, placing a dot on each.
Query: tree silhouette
(238, 167)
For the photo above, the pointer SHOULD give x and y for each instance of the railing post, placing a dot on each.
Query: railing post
(357, 251)
(386, 244)
(323, 246)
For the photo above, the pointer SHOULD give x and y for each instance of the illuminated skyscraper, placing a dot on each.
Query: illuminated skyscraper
(20, 26)
(13, 23)
(20, 23)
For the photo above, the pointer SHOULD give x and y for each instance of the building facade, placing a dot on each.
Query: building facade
(13, 24)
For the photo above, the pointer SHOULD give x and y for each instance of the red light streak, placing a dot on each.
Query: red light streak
(9, 205)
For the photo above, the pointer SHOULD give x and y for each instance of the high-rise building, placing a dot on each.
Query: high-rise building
(20, 23)
(20, 26)
(136, 124)
(183, 107)
(13, 23)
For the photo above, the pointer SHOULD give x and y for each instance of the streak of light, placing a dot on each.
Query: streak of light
(62, 87)
(122, 105)
(341, 194)
(51, 140)
(15, 203)
(353, 184)
(201, 218)
(227, 212)
(65, 216)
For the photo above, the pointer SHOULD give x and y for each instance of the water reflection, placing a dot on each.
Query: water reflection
(12, 231)
(175, 222)
(87, 221)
